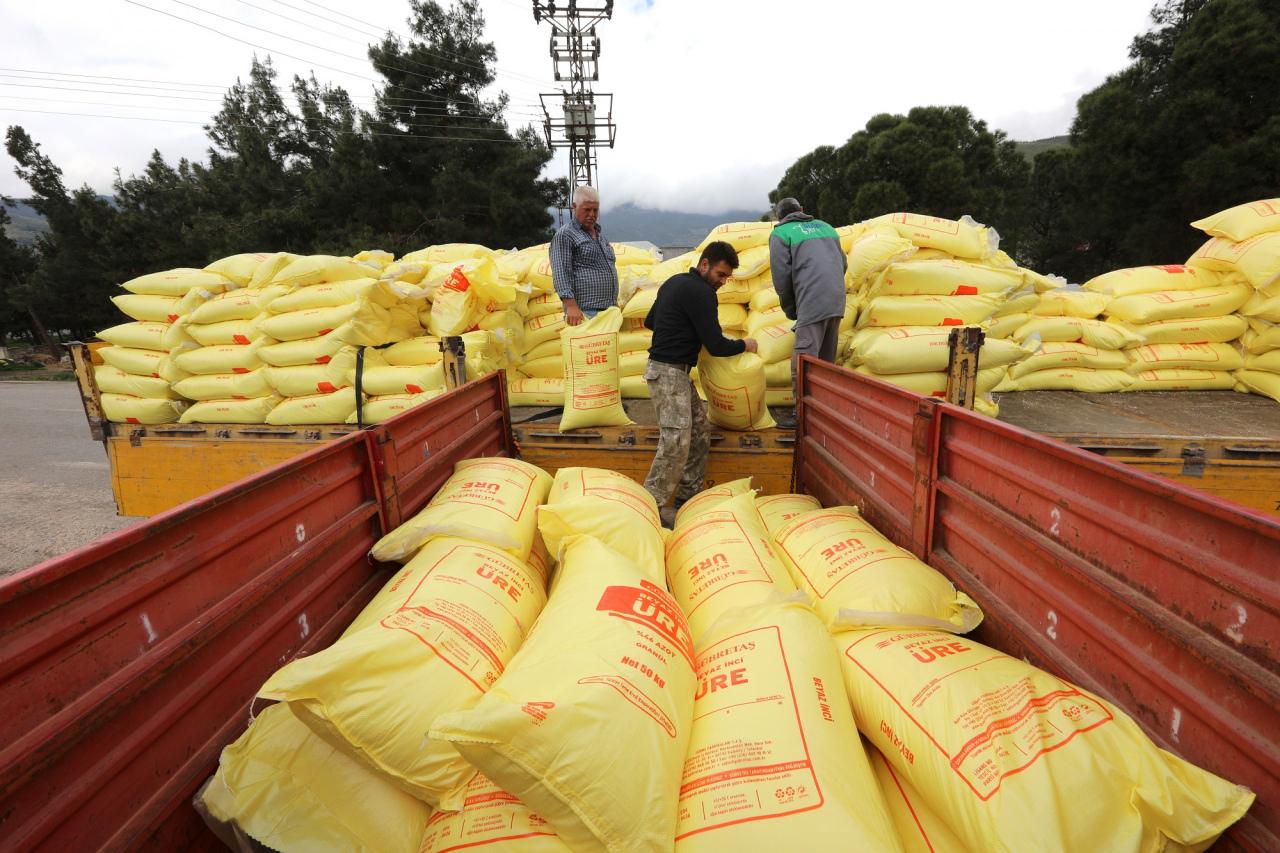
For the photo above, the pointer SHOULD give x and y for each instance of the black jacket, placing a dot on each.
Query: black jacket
(684, 320)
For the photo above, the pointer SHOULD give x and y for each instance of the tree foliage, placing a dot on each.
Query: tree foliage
(433, 161)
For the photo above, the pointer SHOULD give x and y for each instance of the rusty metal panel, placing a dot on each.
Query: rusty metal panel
(416, 450)
(126, 666)
(1161, 599)
(864, 442)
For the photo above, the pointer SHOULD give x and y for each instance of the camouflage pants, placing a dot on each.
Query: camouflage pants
(683, 438)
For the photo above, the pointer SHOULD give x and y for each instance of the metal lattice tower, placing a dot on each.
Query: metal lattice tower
(576, 118)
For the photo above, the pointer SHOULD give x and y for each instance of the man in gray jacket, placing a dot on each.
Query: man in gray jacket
(808, 272)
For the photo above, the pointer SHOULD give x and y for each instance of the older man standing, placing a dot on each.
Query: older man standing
(582, 261)
(808, 272)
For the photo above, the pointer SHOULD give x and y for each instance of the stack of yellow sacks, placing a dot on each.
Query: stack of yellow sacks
(1178, 322)
(222, 337)
(332, 305)
(1244, 245)
(136, 380)
(912, 279)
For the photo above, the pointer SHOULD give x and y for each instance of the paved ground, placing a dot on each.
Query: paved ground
(55, 486)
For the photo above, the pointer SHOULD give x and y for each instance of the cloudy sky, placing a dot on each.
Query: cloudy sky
(713, 99)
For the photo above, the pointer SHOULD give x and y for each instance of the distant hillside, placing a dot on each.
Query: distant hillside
(25, 224)
(667, 227)
(1031, 149)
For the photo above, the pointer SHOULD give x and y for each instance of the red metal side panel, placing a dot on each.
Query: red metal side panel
(869, 435)
(1163, 600)
(1158, 597)
(127, 665)
(418, 449)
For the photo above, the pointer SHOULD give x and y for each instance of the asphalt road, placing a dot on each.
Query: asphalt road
(55, 485)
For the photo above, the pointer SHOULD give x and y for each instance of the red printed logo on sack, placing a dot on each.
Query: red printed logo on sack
(457, 280)
(538, 710)
(652, 607)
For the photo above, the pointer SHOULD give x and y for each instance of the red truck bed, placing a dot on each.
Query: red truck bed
(125, 666)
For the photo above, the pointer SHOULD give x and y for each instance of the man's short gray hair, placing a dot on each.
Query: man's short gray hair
(585, 193)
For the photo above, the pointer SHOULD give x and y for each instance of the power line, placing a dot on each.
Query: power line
(280, 52)
(292, 20)
(342, 14)
(343, 132)
(104, 77)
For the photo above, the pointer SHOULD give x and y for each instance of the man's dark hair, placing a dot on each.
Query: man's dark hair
(719, 251)
(785, 208)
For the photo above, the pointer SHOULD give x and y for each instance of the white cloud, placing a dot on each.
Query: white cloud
(713, 100)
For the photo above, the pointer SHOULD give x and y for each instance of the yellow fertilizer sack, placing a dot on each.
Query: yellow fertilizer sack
(777, 510)
(720, 559)
(858, 577)
(148, 308)
(226, 386)
(539, 330)
(775, 761)
(1257, 259)
(945, 278)
(1262, 307)
(779, 397)
(1181, 379)
(763, 300)
(1243, 221)
(543, 304)
(1260, 382)
(177, 282)
(1154, 279)
(535, 392)
(731, 316)
(420, 350)
(735, 389)
(238, 268)
(1056, 355)
(136, 362)
(460, 611)
(489, 500)
(849, 233)
(1085, 379)
(710, 498)
(127, 409)
(922, 349)
(136, 335)
(113, 380)
(233, 305)
(389, 379)
(489, 819)
(633, 388)
(622, 521)
(1260, 337)
(775, 343)
(384, 293)
(1018, 302)
(674, 266)
(963, 238)
(934, 384)
(240, 332)
(1201, 330)
(1071, 302)
(332, 408)
(1180, 304)
(1269, 360)
(635, 341)
(547, 367)
(251, 411)
(373, 320)
(449, 253)
(227, 358)
(1095, 333)
(919, 828)
(303, 380)
(626, 255)
(610, 663)
(752, 262)
(759, 320)
(589, 354)
(1005, 752)
(288, 789)
(384, 408)
(266, 271)
(1004, 326)
(778, 374)
(741, 235)
(872, 251)
(927, 310)
(1194, 356)
(323, 269)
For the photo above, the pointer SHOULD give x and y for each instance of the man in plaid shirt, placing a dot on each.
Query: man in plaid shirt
(582, 261)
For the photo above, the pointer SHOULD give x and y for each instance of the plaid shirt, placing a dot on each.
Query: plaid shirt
(582, 267)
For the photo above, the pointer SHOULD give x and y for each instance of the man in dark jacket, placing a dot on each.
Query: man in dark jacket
(684, 321)
(808, 267)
